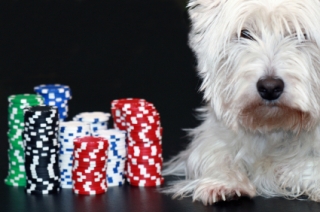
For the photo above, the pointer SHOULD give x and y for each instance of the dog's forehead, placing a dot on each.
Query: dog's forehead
(294, 13)
(272, 16)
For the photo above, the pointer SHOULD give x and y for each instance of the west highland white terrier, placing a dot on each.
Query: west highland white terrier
(260, 65)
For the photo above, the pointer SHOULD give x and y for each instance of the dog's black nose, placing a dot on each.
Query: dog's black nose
(270, 88)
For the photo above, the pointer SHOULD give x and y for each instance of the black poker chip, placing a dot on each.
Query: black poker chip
(41, 150)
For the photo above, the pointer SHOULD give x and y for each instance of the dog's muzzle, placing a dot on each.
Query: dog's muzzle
(270, 88)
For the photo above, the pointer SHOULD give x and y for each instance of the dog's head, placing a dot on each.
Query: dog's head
(259, 61)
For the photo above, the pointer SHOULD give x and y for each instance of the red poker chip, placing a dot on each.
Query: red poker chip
(88, 170)
(91, 155)
(143, 110)
(119, 102)
(91, 152)
(145, 167)
(143, 128)
(93, 192)
(143, 157)
(144, 137)
(137, 106)
(151, 161)
(144, 171)
(144, 132)
(143, 148)
(90, 148)
(94, 186)
(146, 183)
(143, 123)
(143, 114)
(95, 183)
(153, 178)
(144, 144)
(146, 176)
(137, 151)
(79, 165)
(85, 178)
(157, 166)
(89, 140)
(145, 154)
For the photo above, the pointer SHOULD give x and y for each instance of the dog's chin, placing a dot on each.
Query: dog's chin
(262, 117)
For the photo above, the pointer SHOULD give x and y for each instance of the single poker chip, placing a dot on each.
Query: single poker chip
(145, 168)
(25, 99)
(138, 151)
(50, 90)
(120, 102)
(96, 120)
(145, 137)
(111, 134)
(149, 161)
(145, 182)
(92, 192)
(73, 127)
(92, 117)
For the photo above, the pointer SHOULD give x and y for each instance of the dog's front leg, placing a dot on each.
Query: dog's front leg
(212, 172)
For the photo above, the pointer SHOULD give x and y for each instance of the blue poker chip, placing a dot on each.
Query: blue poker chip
(62, 91)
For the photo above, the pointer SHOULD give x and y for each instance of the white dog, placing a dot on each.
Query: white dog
(260, 65)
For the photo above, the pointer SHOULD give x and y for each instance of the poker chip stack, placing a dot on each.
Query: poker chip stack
(16, 175)
(117, 155)
(96, 120)
(89, 165)
(41, 150)
(68, 131)
(144, 135)
(56, 95)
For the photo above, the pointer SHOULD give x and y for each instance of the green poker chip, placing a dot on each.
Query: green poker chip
(26, 99)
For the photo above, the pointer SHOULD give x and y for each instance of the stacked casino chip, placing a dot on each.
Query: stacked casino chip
(56, 95)
(116, 111)
(144, 133)
(117, 155)
(17, 175)
(96, 120)
(41, 149)
(89, 165)
(68, 131)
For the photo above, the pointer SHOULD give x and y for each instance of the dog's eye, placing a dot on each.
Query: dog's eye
(305, 36)
(246, 34)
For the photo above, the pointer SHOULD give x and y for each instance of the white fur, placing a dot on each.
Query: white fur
(274, 149)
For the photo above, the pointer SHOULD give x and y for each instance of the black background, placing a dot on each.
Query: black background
(106, 51)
